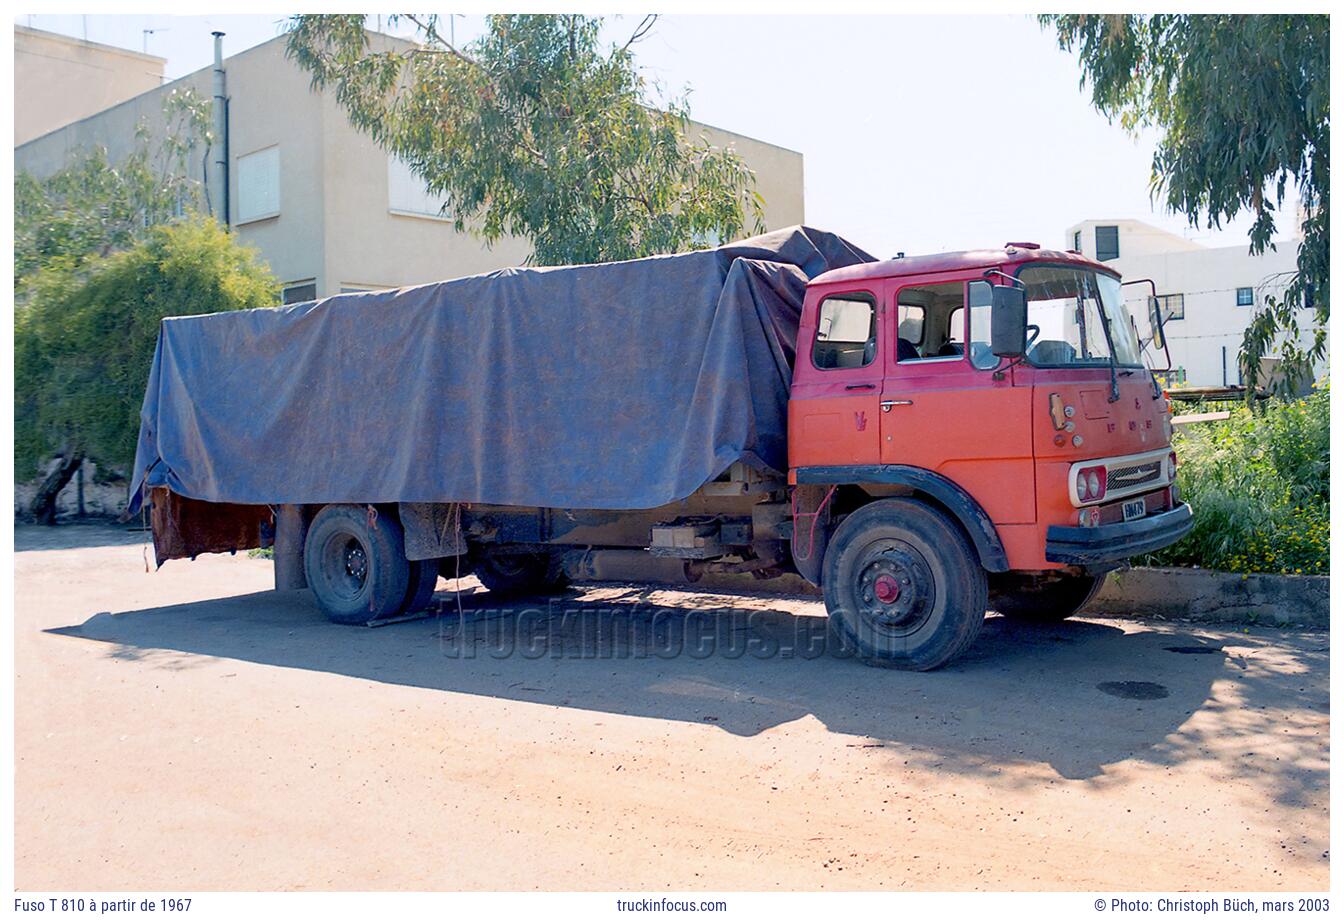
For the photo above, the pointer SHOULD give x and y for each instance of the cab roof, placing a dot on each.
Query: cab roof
(954, 262)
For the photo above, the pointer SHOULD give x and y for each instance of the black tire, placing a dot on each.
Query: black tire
(420, 587)
(1031, 600)
(356, 564)
(903, 585)
(519, 574)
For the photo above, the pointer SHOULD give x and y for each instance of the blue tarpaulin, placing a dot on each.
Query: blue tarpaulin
(619, 385)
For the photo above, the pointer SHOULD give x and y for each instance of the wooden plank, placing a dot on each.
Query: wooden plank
(1196, 417)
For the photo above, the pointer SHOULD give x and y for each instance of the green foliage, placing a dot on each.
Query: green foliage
(538, 131)
(92, 206)
(1243, 104)
(1259, 485)
(84, 343)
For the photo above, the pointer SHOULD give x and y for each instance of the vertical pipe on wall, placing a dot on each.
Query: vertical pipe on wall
(219, 150)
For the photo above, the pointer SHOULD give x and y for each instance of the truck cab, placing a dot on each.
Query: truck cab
(999, 400)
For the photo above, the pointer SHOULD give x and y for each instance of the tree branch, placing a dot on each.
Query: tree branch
(641, 30)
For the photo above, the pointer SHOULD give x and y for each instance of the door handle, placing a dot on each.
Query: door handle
(886, 404)
(861, 386)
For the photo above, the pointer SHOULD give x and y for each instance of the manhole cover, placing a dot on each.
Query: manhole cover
(1134, 689)
(1194, 649)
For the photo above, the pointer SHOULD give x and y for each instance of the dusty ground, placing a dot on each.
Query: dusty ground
(188, 730)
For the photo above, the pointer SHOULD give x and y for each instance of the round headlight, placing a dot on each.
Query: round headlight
(1093, 485)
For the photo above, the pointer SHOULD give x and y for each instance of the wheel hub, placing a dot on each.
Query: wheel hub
(356, 562)
(887, 589)
(895, 589)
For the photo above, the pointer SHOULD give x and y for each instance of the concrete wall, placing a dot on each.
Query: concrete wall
(779, 173)
(58, 80)
(113, 129)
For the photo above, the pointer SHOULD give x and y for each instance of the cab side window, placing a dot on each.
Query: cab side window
(846, 332)
(929, 315)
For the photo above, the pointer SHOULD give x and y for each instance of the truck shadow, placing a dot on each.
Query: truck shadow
(1077, 696)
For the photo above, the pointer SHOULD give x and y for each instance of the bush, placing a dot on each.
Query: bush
(84, 339)
(1259, 485)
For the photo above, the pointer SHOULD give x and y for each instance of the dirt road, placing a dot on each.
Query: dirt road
(187, 729)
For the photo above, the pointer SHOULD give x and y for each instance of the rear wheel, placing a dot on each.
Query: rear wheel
(356, 564)
(424, 577)
(903, 585)
(1033, 599)
(521, 573)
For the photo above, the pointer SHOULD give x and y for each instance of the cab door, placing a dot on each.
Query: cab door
(837, 378)
(946, 406)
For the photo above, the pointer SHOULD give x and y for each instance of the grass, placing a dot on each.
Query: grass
(1259, 484)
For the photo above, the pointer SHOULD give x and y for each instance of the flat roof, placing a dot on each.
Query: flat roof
(64, 39)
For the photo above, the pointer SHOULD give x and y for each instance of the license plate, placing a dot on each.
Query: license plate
(1134, 509)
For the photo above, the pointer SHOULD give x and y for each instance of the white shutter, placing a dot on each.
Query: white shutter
(406, 193)
(258, 185)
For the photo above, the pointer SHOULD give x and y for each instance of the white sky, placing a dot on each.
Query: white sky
(919, 134)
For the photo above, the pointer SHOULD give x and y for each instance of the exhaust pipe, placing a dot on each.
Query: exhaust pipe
(218, 192)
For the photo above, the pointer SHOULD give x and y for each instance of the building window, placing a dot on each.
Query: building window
(846, 332)
(1108, 243)
(258, 185)
(406, 192)
(1172, 305)
(300, 291)
(1245, 297)
(1077, 241)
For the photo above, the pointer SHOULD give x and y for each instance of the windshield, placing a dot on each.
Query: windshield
(1068, 312)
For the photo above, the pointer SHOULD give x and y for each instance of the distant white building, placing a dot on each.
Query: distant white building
(1208, 294)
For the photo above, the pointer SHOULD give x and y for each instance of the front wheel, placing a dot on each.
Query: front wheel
(1035, 600)
(903, 585)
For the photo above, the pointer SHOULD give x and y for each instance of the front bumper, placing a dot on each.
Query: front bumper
(1116, 542)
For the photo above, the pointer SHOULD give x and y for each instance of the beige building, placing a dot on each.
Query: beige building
(1208, 294)
(327, 209)
(58, 79)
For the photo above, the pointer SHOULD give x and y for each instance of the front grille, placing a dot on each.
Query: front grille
(1127, 477)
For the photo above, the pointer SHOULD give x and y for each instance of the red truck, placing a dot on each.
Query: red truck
(965, 431)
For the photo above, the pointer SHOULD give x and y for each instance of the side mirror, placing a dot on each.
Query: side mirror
(1008, 322)
(1155, 321)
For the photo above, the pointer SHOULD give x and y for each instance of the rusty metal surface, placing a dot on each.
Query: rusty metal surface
(432, 530)
(184, 528)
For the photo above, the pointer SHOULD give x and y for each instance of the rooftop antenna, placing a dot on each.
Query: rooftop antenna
(147, 33)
